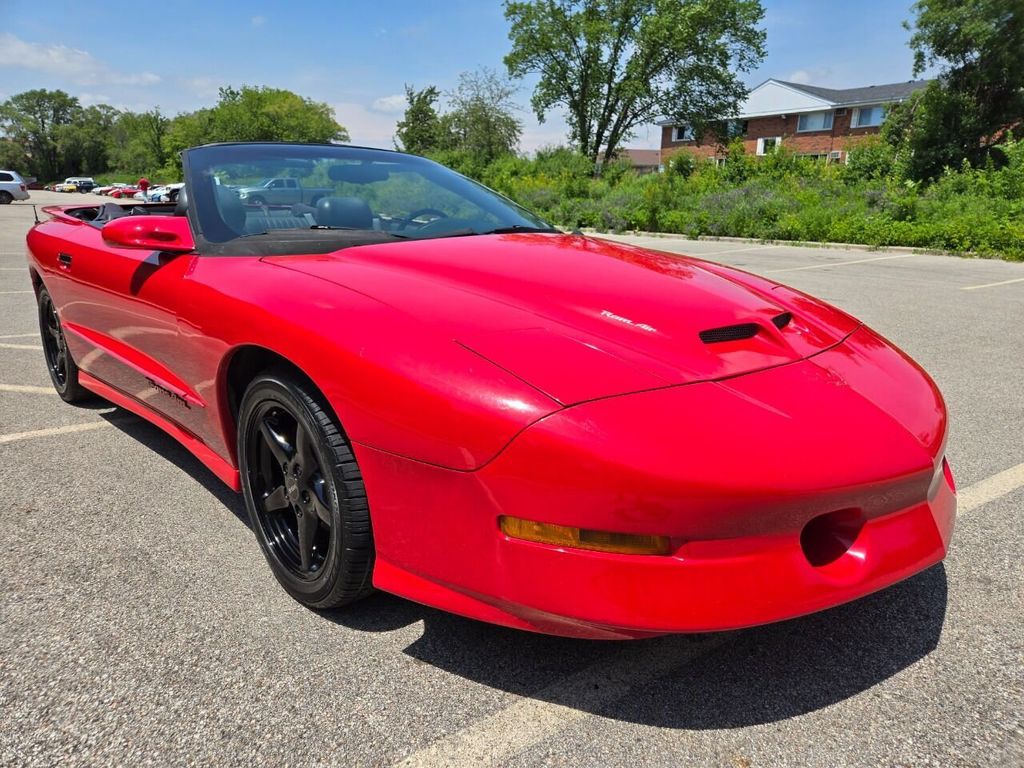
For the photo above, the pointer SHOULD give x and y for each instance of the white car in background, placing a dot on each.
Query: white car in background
(165, 193)
(12, 187)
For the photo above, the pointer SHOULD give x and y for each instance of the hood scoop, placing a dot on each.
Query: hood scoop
(741, 331)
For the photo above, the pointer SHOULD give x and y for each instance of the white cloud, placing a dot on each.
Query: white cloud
(258, 21)
(390, 104)
(365, 126)
(821, 76)
(94, 98)
(76, 65)
(203, 87)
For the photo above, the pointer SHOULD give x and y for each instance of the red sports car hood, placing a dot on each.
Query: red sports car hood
(581, 318)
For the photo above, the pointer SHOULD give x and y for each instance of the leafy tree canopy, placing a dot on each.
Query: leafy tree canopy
(978, 46)
(479, 126)
(616, 64)
(419, 129)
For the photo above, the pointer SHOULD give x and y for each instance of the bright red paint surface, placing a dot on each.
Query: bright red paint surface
(556, 378)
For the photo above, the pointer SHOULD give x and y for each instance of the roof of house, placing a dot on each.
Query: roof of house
(780, 97)
(869, 93)
(643, 157)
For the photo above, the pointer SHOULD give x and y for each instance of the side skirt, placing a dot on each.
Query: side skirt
(221, 468)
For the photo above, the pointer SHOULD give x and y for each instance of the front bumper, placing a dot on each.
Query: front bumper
(752, 479)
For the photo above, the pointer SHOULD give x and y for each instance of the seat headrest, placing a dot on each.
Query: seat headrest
(181, 204)
(231, 209)
(344, 212)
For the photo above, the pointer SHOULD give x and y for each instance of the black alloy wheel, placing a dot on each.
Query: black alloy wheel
(59, 363)
(304, 492)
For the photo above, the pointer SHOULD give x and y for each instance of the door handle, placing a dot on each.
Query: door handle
(64, 258)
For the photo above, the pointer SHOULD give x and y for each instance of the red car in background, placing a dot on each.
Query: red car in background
(123, 192)
(421, 387)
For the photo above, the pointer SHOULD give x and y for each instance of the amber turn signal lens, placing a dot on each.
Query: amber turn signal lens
(582, 538)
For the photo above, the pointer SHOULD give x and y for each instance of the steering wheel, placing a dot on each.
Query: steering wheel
(424, 212)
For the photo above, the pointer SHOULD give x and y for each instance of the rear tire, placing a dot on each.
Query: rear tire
(5, 197)
(304, 492)
(59, 363)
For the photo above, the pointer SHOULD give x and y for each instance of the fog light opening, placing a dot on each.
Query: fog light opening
(828, 537)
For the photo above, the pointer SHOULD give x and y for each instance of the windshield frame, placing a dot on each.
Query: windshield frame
(213, 235)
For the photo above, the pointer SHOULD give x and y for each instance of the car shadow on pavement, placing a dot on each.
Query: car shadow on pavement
(170, 449)
(748, 677)
(727, 680)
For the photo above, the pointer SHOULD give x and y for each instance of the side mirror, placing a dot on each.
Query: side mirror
(169, 234)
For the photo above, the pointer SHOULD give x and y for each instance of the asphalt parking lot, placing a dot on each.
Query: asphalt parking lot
(140, 625)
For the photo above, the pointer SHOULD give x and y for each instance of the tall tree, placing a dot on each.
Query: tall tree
(140, 141)
(616, 64)
(481, 120)
(978, 46)
(272, 114)
(84, 145)
(33, 119)
(420, 127)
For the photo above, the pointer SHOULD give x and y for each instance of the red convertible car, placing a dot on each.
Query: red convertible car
(421, 387)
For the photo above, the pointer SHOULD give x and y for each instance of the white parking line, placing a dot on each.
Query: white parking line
(990, 489)
(27, 389)
(19, 346)
(736, 250)
(10, 292)
(16, 436)
(494, 739)
(842, 263)
(19, 335)
(992, 285)
(14, 269)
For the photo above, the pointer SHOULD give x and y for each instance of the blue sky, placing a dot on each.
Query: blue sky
(357, 56)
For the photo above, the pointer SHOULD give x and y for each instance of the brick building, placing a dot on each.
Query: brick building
(818, 122)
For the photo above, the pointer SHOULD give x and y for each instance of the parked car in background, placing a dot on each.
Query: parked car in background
(12, 187)
(281, 191)
(76, 184)
(125, 191)
(164, 193)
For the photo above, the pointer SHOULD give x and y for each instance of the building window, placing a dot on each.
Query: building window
(868, 117)
(682, 133)
(814, 121)
(768, 144)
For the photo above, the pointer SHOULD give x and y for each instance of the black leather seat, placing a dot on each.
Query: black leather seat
(108, 212)
(347, 212)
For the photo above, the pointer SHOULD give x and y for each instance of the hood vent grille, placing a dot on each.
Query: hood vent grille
(729, 333)
(741, 331)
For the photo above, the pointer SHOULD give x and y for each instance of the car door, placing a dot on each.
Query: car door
(119, 311)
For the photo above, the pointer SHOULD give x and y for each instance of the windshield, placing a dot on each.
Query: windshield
(306, 191)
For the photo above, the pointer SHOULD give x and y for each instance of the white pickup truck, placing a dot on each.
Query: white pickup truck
(281, 191)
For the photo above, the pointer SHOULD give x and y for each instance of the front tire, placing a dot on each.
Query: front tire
(304, 492)
(59, 363)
